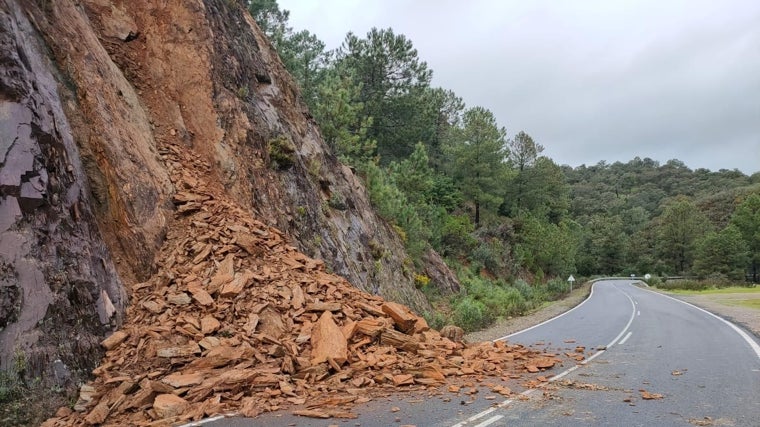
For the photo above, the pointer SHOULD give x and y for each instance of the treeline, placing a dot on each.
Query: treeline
(510, 221)
(642, 217)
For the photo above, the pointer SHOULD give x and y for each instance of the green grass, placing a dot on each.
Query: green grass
(753, 303)
(728, 290)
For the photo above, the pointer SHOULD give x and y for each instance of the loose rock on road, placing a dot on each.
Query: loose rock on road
(653, 360)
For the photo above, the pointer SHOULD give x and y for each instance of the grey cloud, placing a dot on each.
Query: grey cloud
(591, 80)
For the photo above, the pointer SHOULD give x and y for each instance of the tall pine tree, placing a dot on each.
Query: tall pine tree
(476, 152)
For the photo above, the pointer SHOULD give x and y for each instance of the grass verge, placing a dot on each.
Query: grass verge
(726, 290)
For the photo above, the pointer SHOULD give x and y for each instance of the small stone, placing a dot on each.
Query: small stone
(63, 411)
(178, 299)
(209, 324)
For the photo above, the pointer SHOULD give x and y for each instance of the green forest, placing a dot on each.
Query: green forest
(510, 221)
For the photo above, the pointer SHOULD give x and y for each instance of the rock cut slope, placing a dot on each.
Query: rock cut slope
(238, 321)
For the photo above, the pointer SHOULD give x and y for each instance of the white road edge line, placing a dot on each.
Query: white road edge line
(628, 335)
(628, 325)
(593, 356)
(482, 414)
(477, 416)
(553, 318)
(490, 421)
(752, 343)
(207, 420)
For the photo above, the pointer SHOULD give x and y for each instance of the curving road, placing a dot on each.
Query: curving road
(706, 369)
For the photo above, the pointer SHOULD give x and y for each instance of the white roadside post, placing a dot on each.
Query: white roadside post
(570, 280)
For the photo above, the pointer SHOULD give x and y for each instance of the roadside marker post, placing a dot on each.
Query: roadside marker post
(570, 280)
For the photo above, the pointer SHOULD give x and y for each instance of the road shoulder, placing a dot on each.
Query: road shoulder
(720, 304)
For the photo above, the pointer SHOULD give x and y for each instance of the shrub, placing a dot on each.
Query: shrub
(456, 235)
(654, 281)
(11, 387)
(533, 294)
(557, 287)
(498, 300)
(492, 255)
(436, 319)
(337, 202)
(507, 302)
(470, 314)
(281, 152)
(421, 280)
(524, 288)
(689, 285)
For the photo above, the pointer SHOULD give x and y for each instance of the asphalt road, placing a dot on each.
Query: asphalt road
(706, 370)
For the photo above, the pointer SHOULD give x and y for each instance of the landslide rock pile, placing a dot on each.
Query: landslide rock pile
(237, 320)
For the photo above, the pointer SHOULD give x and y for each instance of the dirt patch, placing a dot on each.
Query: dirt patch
(729, 307)
(508, 326)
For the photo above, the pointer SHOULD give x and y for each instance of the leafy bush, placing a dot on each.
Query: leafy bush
(689, 285)
(524, 288)
(486, 300)
(27, 401)
(421, 280)
(11, 387)
(337, 202)
(533, 294)
(654, 281)
(492, 255)
(281, 152)
(470, 314)
(557, 287)
(436, 319)
(456, 235)
(499, 300)
(507, 302)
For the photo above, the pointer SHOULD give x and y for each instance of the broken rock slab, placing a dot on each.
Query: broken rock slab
(328, 341)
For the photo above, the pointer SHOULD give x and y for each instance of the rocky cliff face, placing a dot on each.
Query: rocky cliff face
(59, 291)
(96, 99)
(210, 80)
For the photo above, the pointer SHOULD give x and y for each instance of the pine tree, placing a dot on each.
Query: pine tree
(477, 154)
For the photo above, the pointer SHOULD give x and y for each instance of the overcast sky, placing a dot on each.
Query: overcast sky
(590, 80)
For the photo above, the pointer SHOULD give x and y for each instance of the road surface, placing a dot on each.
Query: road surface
(697, 369)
